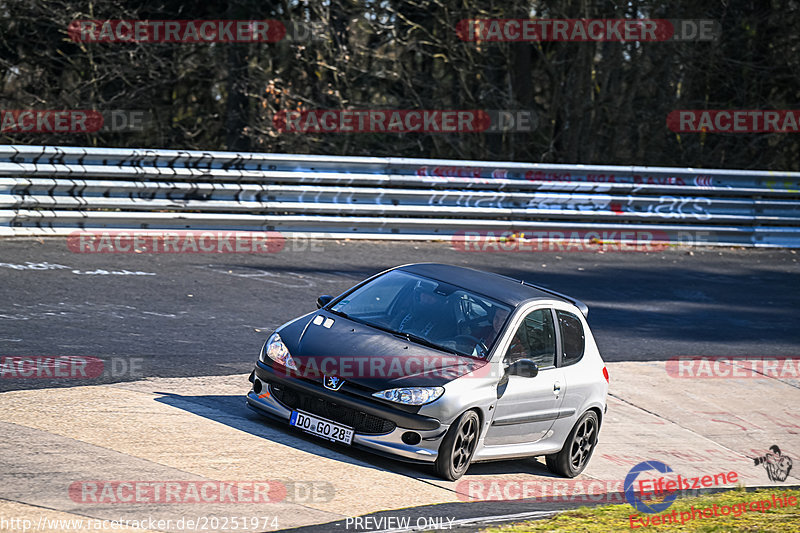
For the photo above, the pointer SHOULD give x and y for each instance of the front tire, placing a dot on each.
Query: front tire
(578, 448)
(458, 447)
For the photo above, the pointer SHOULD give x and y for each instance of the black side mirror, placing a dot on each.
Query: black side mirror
(525, 368)
(324, 300)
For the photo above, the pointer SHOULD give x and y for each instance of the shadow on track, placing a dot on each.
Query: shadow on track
(232, 411)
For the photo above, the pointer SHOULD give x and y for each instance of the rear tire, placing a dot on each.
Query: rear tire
(578, 448)
(458, 447)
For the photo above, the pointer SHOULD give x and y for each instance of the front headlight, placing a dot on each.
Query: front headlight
(278, 352)
(411, 395)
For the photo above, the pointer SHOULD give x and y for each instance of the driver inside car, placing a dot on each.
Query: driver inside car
(425, 312)
(487, 334)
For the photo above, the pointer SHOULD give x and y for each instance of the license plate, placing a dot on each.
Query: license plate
(321, 427)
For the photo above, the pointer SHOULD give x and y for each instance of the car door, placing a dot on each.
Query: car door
(577, 379)
(527, 407)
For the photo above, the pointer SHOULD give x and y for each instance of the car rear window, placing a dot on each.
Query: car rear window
(573, 340)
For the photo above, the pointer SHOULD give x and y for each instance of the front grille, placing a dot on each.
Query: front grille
(364, 423)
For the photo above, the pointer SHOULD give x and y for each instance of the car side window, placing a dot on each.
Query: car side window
(573, 339)
(535, 339)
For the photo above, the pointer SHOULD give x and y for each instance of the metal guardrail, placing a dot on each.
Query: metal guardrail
(56, 190)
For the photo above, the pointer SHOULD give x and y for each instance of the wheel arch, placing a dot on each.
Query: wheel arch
(482, 417)
(599, 414)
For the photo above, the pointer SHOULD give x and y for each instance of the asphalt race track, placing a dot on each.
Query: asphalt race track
(179, 333)
(208, 314)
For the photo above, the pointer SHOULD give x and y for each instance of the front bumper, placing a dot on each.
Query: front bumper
(388, 444)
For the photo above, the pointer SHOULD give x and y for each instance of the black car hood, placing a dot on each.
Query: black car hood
(369, 357)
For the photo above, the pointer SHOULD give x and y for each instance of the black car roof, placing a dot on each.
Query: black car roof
(505, 289)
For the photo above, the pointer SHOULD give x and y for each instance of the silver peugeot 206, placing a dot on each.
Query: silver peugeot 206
(441, 365)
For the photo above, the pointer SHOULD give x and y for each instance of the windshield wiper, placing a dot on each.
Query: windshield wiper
(401, 334)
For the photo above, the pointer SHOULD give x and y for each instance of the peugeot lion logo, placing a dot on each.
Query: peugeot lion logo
(332, 382)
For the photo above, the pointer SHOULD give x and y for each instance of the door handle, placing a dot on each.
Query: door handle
(556, 387)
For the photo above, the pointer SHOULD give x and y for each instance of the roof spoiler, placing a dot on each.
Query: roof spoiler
(584, 309)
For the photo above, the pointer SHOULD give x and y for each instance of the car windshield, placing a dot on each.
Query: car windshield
(428, 311)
